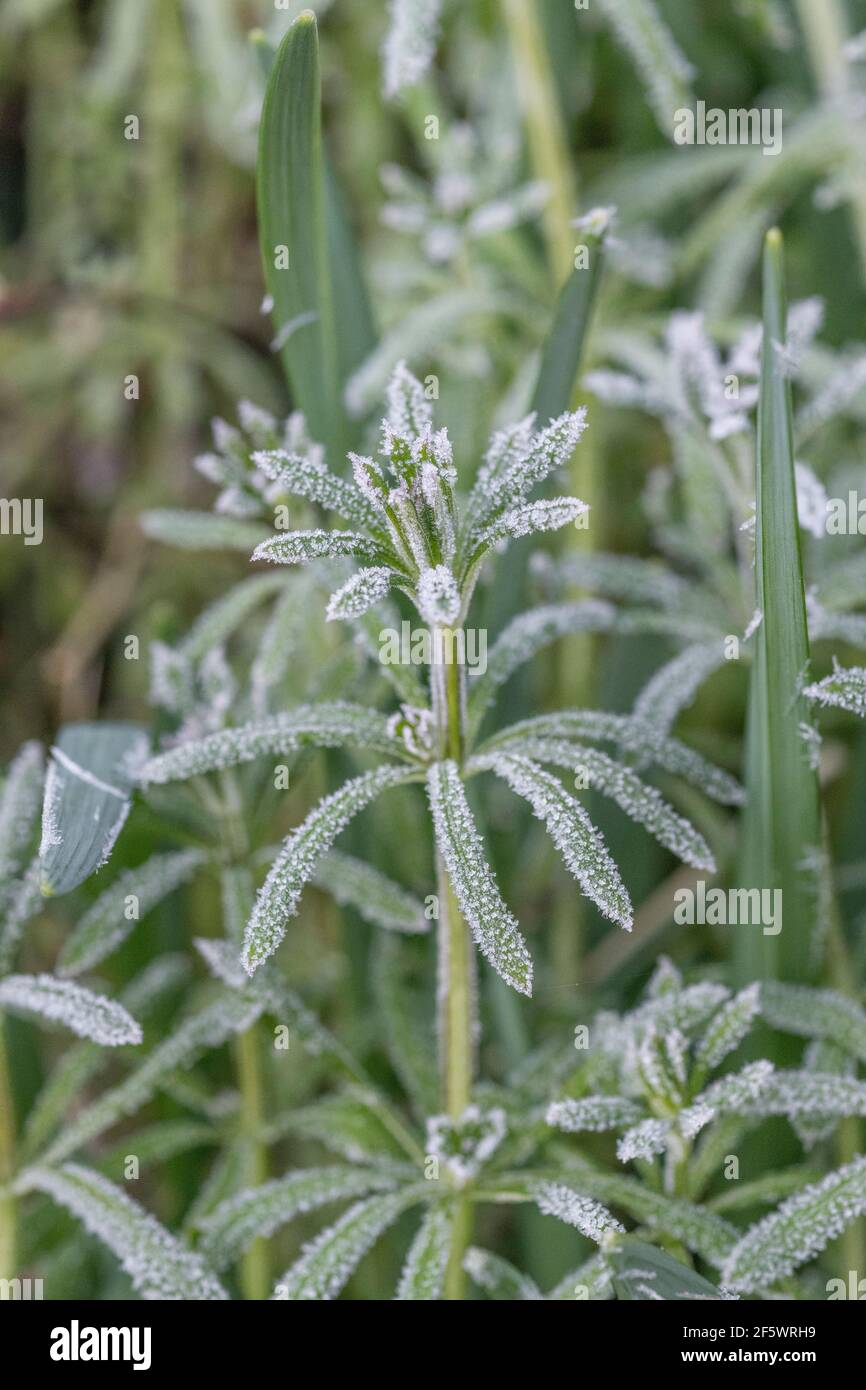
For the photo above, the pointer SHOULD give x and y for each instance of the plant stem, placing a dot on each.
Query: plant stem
(457, 1022)
(7, 1166)
(547, 144)
(255, 1278)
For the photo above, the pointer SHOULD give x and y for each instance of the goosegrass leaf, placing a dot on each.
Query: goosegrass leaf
(589, 1216)
(497, 1278)
(201, 530)
(410, 43)
(158, 1264)
(582, 848)
(260, 1211)
(328, 724)
(327, 1262)
(365, 589)
(294, 866)
(674, 686)
(664, 70)
(642, 1273)
(423, 1275)
(492, 925)
(373, 895)
(593, 1114)
(845, 689)
(299, 547)
(815, 1013)
(116, 912)
(72, 1006)
(798, 1230)
(20, 804)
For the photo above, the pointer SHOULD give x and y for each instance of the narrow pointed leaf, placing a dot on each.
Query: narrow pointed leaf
(80, 1010)
(423, 1276)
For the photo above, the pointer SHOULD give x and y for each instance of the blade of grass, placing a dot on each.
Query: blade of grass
(290, 189)
(781, 826)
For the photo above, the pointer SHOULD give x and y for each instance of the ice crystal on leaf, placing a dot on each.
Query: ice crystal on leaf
(438, 596)
(423, 1276)
(328, 1261)
(494, 928)
(410, 43)
(362, 591)
(158, 1264)
(296, 862)
(592, 1219)
(801, 1227)
(80, 1010)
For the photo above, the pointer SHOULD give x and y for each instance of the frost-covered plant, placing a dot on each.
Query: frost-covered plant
(700, 592)
(664, 1080)
(414, 534)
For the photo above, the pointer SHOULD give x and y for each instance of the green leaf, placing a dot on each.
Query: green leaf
(373, 895)
(290, 189)
(350, 1124)
(202, 531)
(159, 1266)
(423, 1276)
(563, 347)
(815, 1013)
(236, 1222)
(80, 1010)
(106, 925)
(781, 829)
(800, 1228)
(642, 1273)
(329, 1261)
(20, 802)
(663, 69)
(496, 1278)
(845, 689)
(87, 799)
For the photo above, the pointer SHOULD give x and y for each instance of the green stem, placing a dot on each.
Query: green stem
(255, 1277)
(457, 1021)
(544, 128)
(8, 1268)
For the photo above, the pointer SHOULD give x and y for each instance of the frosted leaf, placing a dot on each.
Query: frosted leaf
(20, 804)
(636, 736)
(410, 43)
(297, 547)
(326, 1263)
(376, 898)
(591, 1281)
(279, 896)
(837, 394)
(281, 643)
(235, 1223)
(423, 1275)
(815, 1013)
(674, 685)
(664, 70)
(732, 1094)
(811, 501)
(23, 901)
(592, 1219)
(229, 1014)
(414, 727)
(794, 1093)
(497, 1278)
(618, 577)
(728, 1028)
(220, 620)
(516, 463)
(359, 593)
(357, 1124)
(665, 979)
(409, 413)
(438, 596)
(330, 724)
(303, 477)
(800, 1229)
(593, 1114)
(700, 1230)
(845, 689)
(619, 388)
(685, 1009)
(526, 635)
(80, 1010)
(645, 1140)
(105, 924)
(158, 1264)
(464, 1146)
(494, 928)
(545, 515)
(509, 210)
(642, 803)
(201, 530)
(221, 959)
(583, 851)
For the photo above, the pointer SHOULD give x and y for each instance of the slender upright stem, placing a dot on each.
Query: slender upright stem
(457, 1023)
(8, 1268)
(547, 144)
(255, 1278)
